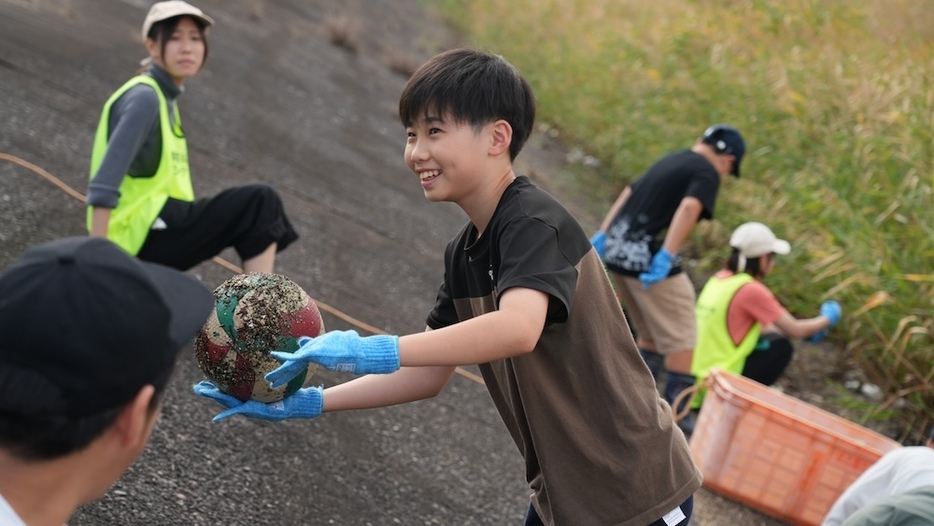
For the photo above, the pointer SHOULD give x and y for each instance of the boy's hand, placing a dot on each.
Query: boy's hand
(304, 403)
(344, 351)
(658, 269)
(598, 241)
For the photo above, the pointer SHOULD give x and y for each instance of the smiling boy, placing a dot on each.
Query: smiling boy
(526, 298)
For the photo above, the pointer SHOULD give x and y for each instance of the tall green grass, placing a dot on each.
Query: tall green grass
(835, 100)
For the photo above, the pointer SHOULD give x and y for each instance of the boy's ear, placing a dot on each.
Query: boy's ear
(135, 421)
(501, 134)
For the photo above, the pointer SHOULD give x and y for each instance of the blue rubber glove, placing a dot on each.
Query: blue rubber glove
(304, 403)
(658, 269)
(598, 241)
(344, 351)
(817, 337)
(832, 311)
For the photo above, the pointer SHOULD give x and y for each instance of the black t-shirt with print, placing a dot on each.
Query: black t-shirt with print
(638, 231)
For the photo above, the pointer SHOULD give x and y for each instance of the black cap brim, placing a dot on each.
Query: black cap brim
(189, 301)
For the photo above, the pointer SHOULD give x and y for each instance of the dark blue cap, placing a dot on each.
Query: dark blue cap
(726, 139)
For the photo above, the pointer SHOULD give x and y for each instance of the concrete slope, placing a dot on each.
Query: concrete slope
(279, 103)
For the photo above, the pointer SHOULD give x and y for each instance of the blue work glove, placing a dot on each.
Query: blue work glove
(817, 337)
(832, 311)
(304, 403)
(598, 241)
(344, 351)
(658, 269)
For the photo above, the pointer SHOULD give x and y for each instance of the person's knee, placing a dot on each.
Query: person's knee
(780, 345)
(770, 358)
(263, 190)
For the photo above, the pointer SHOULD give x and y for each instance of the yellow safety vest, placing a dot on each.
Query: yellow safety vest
(715, 347)
(142, 198)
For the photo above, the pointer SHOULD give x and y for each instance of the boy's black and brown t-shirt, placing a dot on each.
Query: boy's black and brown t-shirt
(600, 445)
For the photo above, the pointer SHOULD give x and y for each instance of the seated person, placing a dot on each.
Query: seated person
(741, 326)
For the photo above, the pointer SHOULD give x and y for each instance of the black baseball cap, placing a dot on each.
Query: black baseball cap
(726, 139)
(85, 326)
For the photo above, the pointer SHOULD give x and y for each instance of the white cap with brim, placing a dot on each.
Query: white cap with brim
(164, 10)
(754, 240)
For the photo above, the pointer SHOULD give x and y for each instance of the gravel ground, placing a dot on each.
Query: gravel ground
(301, 95)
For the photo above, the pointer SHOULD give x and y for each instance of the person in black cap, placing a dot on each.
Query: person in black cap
(639, 241)
(90, 339)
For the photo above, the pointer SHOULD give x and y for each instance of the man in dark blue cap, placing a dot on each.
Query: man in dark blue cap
(640, 239)
(90, 339)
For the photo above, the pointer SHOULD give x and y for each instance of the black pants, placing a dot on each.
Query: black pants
(770, 358)
(249, 218)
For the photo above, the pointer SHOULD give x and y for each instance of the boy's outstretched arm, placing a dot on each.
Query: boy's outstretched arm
(408, 384)
(428, 359)
(512, 330)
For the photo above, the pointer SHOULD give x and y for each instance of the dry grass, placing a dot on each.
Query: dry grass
(835, 99)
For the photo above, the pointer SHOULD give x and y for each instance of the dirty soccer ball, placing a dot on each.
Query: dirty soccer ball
(253, 315)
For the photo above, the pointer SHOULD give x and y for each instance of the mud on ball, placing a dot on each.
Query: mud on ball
(255, 314)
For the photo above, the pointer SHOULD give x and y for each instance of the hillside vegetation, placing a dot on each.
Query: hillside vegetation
(835, 100)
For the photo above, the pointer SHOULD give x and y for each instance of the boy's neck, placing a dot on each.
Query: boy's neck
(481, 205)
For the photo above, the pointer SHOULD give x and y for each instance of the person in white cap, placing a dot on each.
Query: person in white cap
(741, 326)
(140, 195)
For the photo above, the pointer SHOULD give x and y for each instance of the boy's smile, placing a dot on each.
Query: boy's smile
(447, 156)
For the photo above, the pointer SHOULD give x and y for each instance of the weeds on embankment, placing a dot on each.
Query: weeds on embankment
(836, 103)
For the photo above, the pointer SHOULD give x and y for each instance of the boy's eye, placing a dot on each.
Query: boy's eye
(434, 130)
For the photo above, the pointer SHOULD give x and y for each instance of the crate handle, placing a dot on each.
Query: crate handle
(689, 392)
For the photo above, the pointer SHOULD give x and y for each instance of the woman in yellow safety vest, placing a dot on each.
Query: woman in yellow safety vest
(741, 326)
(140, 195)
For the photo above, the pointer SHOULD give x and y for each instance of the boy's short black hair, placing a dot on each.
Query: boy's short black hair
(473, 87)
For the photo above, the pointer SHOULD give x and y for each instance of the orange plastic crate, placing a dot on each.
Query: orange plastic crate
(777, 454)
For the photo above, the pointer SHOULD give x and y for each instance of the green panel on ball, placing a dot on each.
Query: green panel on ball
(296, 383)
(225, 307)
